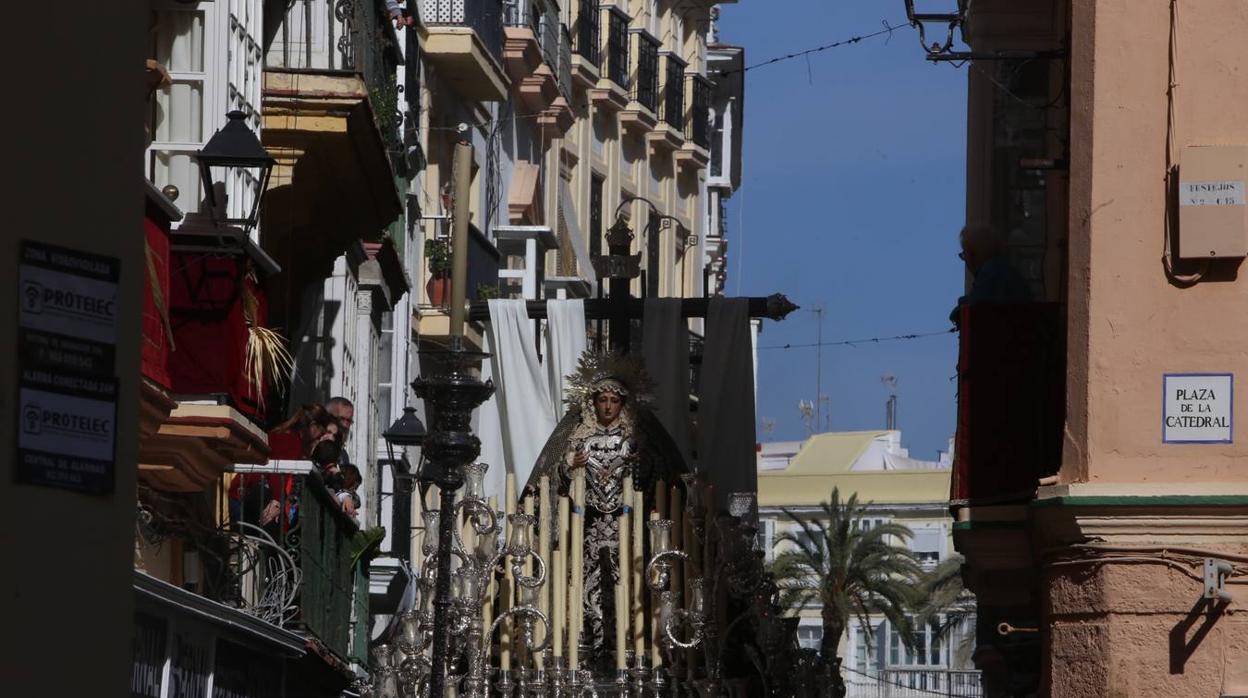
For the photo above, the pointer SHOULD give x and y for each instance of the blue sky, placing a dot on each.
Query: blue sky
(852, 197)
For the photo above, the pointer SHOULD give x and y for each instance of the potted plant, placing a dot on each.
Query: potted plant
(486, 291)
(438, 257)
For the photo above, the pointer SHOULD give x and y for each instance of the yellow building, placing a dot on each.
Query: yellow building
(798, 477)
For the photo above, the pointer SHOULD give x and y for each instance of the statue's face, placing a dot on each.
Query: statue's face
(607, 407)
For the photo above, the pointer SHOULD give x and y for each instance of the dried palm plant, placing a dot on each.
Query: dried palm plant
(267, 359)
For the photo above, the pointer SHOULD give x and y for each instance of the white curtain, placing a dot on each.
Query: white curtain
(522, 393)
(489, 429)
(565, 342)
(528, 395)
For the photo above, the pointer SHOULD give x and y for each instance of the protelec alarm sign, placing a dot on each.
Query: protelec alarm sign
(67, 385)
(1197, 408)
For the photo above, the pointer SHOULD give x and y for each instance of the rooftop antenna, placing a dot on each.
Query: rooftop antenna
(807, 410)
(818, 311)
(890, 408)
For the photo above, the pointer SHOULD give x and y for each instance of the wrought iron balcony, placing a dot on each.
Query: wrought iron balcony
(674, 93)
(617, 47)
(465, 40)
(484, 17)
(300, 569)
(331, 36)
(1011, 401)
(698, 127)
(563, 68)
(588, 34)
(646, 82)
(541, 17)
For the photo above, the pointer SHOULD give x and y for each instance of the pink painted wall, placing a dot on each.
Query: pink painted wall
(1128, 324)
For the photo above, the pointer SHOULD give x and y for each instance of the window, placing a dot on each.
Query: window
(766, 538)
(860, 648)
(213, 56)
(928, 647)
(385, 370)
(927, 542)
(595, 216)
(809, 636)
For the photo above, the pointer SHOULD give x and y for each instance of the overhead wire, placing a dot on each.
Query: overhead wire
(888, 29)
(866, 340)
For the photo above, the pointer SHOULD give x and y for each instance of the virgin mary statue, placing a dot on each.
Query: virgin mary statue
(610, 431)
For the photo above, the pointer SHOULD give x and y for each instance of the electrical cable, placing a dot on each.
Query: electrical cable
(888, 29)
(868, 340)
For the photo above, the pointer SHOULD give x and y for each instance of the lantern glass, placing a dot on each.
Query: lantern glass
(380, 655)
(468, 585)
(430, 545)
(697, 597)
(693, 493)
(660, 536)
(520, 542)
(409, 627)
(426, 596)
(527, 595)
(474, 480)
(670, 601)
(487, 545)
(398, 656)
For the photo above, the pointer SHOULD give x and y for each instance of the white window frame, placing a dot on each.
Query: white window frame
(231, 78)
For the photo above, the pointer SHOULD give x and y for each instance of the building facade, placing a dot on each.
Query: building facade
(1097, 496)
(575, 110)
(798, 477)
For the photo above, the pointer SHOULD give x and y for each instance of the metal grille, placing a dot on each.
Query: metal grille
(485, 17)
(647, 71)
(698, 128)
(674, 93)
(617, 48)
(588, 35)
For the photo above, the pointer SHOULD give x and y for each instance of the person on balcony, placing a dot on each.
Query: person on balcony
(347, 496)
(260, 499)
(342, 410)
(996, 280)
(398, 15)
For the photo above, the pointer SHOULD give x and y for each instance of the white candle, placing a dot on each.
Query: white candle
(676, 514)
(656, 657)
(577, 551)
(639, 569)
(622, 597)
(504, 651)
(560, 601)
(487, 608)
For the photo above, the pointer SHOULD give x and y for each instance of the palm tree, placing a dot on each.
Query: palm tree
(852, 570)
(942, 601)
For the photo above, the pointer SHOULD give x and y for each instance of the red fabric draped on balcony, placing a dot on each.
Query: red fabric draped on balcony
(155, 354)
(210, 327)
(1011, 401)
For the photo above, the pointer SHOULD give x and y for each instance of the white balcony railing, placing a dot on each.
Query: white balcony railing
(914, 683)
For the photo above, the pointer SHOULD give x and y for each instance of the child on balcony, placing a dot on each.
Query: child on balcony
(401, 18)
(347, 497)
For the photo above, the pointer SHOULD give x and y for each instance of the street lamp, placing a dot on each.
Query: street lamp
(406, 431)
(236, 154)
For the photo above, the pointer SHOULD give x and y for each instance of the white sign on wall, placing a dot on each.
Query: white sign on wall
(1197, 408)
